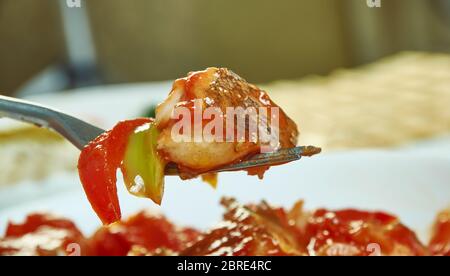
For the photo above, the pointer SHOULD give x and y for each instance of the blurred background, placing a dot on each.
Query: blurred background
(352, 76)
(148, 40)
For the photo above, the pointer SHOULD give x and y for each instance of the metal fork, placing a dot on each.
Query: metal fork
(80, 133)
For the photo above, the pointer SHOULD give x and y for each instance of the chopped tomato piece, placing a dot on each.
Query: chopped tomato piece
(97, 167)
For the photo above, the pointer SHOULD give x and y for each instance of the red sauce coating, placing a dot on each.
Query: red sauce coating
(43, 235)
(144, 231)
(440, 241)
(246, 230)
(354, 231)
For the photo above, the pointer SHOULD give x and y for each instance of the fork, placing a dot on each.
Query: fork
(80, 133)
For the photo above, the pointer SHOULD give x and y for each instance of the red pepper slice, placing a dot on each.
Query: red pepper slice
(97, 167)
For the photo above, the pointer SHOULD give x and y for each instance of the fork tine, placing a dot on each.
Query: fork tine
(78, 132)
(264, 159)
(273, 158)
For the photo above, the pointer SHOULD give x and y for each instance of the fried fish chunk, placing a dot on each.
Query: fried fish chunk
(218, 89)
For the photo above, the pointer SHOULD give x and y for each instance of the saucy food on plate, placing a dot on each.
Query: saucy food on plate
(246, 230)
(211, 119)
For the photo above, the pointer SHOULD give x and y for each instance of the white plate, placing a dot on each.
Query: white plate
(103, 106)
(414, 187)
(106, 105)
